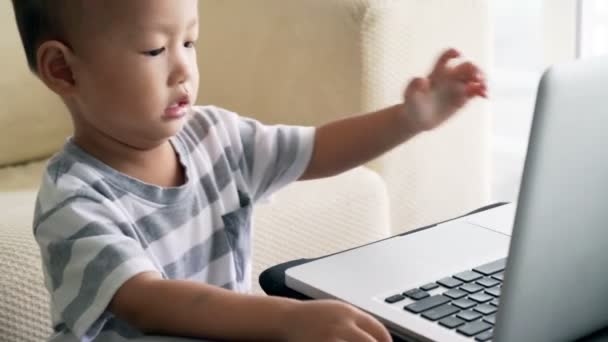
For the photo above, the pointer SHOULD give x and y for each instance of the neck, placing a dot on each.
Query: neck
(157, 164)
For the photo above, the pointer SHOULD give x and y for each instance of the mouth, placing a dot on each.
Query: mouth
(177, 109)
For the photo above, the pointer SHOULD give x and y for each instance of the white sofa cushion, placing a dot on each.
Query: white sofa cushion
(24, 303)
(320, 217)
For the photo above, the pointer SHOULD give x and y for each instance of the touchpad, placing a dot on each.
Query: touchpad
(499, 219)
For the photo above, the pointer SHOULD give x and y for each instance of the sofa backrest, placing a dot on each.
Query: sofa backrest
(308, 62)
(261, 84)
(314, 61)
(33, 120)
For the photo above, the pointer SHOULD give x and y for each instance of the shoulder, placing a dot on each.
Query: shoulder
(211, 116)
(212, 125)
(66, 175)
(67, 183)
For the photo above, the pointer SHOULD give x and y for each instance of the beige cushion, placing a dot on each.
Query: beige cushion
(320, 217)
(24, 177)
(444, 173)
(317, 60)
(24, 303)
(328, 59)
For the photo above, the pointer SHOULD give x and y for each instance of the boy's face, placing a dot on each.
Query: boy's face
(135, 68)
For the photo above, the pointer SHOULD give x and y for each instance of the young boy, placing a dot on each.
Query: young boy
(143, 219)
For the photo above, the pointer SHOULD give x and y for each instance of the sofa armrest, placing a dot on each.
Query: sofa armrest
(306, 219)
(24, 302)
(320, 217)
(309, 62)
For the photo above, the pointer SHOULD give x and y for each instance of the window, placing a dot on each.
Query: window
(528, 37)
(593, 28)
(512, 80)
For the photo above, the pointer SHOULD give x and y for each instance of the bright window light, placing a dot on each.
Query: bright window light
(593, 32)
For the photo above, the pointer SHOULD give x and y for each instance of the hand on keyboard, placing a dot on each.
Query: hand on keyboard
(331, 320)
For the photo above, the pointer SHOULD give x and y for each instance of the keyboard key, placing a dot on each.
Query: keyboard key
(500, 276)
(449, 282)
(471, 288)
(429, 287)
(464, 303)
(468, 276)
(469, 315)
(490, 319)
(481, 297)
(492, 267)
(416, 294)
(485, 309)
(394, 299)
(495, 291)
(474, 328)
(427, 303)
(440, 312)
(455, 293)
(485, 336)
(495, 301)
(452, 322)
(488, 282)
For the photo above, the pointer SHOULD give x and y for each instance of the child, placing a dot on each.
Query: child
(143, 219)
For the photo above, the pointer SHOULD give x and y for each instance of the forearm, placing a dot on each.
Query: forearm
(350, 142)
(183, 308)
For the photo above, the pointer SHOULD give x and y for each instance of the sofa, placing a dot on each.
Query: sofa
(300, 62)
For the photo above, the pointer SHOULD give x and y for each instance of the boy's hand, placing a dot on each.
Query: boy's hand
(432, 100)
(329, 321)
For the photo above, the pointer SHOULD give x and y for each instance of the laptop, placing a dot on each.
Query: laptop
(454, 282)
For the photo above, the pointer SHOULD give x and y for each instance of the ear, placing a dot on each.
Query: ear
(54, 67)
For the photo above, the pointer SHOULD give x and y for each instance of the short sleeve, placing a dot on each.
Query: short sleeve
(273, 156)
(87, 253)
(264, 158)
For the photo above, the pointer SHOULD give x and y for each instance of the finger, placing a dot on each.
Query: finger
(443, 60)
(356, 334)
(476, 89)
(483, 88)
(374, 328)
(467, 72)
(483, 91)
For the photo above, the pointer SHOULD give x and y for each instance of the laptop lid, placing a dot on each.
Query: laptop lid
(556, 285)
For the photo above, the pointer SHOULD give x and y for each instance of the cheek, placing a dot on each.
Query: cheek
(195, 77)
(118, 96)
(131, 84)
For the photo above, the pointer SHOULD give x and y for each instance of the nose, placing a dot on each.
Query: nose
(180, 69)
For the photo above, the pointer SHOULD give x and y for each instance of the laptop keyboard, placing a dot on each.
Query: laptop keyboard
(465, 302)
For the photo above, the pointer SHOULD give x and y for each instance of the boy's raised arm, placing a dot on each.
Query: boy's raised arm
(428, 102)
(347, 143)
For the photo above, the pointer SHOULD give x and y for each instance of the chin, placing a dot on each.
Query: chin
(174, 127)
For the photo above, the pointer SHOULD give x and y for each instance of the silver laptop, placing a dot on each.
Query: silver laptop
(452, 282)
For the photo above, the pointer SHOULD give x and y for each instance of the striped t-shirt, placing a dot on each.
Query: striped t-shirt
(97, 227)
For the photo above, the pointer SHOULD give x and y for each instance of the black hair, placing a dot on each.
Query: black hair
(38, 21)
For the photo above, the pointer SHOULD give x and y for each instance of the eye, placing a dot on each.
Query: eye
(189, 44)
(153, 53)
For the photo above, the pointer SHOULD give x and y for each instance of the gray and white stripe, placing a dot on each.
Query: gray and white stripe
(97, 227)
